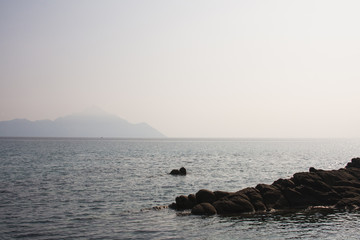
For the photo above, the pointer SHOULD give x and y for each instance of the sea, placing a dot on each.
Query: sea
(70, 188)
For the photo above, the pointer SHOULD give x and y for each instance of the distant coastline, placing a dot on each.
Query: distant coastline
(89, 124)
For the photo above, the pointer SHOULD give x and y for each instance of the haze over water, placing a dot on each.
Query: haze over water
(188, 68)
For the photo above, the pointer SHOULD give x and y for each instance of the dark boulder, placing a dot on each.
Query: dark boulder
(283, 184)
(192, 198)
(296, 199)
(272, 196)
(354, 171)
(233, 204)
(203, 209)
(355, 163)
(221, 194)
(347, 191)
(184, 202)
(173, 206)
(349, 203)
(337, 177)
(205, 196)
(319, 197)
(175, 172)
(255, 198)
(181, 171)
(308, 179)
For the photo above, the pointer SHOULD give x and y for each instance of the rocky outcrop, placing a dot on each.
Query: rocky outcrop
(339, 189)
(181, 171)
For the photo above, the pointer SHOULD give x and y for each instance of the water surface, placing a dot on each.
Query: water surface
(105, 188)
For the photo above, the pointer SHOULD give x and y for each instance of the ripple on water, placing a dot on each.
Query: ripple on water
(100, 189)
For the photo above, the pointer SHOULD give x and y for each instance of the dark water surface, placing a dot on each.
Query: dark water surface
(105, 188)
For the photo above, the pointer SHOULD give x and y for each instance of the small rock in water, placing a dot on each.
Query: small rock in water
(181, 171)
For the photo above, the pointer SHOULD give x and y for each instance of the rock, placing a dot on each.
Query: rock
(307, 178)
(255, 198)
(221, 194)
(233, 204)
(272, 196)
(355, 163)
(313, 196)
(205, 196)
(349, 203)
(295, 198)
(192, 198)
(203, 209)
(183, 202)
(160, 207)
(354, 171)
(328, 189)
(173, 206)
(181, 171)
(283, 183)
(347, 191)
(175, 172)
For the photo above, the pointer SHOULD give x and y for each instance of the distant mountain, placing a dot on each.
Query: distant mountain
(91, 123)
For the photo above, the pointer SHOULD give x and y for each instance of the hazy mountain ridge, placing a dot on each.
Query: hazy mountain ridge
(87, 124)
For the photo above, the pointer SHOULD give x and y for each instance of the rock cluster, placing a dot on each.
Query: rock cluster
(181, 171)
(339, 189)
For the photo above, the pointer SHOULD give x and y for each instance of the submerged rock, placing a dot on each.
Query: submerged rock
(181, 171)
(339, 189)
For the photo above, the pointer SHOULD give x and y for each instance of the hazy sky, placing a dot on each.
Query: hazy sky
(188, 68)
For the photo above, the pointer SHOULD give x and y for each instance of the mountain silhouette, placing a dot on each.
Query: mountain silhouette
(91, 123)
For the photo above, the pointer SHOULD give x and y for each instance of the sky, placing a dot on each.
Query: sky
(199, 68)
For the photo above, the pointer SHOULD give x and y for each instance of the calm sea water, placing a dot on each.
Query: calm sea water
(106, 188)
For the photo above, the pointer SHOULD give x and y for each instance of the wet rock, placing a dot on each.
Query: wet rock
(308, 179)
(255, 198)
(181, 171)
(234, 204)
(354, 171)
(283, 184)
(355, 163)
(272, 196)
(183, 202)
(296, 199)
(205, 196)
(221, 194)
(327, 188)
(204, 209)
(173, 206)
(175, 172)
(318, 197)
(349, 203)
(339, 177)
(192, 198)
(160, 207)
(347, 191)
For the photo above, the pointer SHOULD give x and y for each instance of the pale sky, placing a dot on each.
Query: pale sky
(256, 68)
